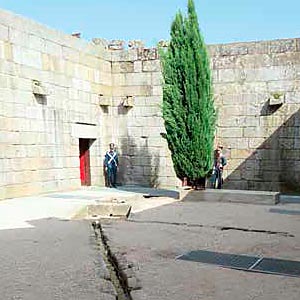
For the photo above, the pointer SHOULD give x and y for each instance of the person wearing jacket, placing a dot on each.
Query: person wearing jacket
(111, 162)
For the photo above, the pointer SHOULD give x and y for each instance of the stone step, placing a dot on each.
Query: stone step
(109, 210)
(236, 196)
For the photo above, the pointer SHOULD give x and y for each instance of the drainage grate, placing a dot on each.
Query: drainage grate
(284, 211)
(244, 262)
(279, 266)
(221, 259)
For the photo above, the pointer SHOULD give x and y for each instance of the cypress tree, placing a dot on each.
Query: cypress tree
(188, 108)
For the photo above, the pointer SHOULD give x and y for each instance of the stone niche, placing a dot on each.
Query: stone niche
(128, 101)
(276, 98)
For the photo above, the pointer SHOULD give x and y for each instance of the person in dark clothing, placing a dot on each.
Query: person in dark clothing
(219, 163)
(111, 162)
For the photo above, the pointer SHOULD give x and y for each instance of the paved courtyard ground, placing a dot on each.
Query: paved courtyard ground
(45, 254)
(152, 240)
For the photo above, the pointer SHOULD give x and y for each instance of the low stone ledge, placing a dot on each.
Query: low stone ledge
(236, 196)
(107, 210)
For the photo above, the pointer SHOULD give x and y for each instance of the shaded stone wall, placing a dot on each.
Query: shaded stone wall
(262, 141)
(145, 158)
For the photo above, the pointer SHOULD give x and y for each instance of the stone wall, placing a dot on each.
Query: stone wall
(109, 94)
(257, 95)
(145, 156)
(261, 140)
(38, 151)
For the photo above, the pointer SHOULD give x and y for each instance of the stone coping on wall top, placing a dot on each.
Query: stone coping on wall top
(10, 19)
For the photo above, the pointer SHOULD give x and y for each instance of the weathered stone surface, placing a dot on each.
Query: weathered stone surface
(106, 210)
(3, 32)
(280, 46)
(123, 67)
(101, 42)
(237, 196)
(134, 44)
(116, 45)
(147, 54)
(76, 72)
(151, 66)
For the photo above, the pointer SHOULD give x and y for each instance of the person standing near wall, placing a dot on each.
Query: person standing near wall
(111, 162)
(219, 163)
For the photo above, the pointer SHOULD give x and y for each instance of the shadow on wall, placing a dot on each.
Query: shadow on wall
(138, 165)
(275, 164)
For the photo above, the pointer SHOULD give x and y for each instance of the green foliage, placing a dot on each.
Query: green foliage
(188, 108)
(277, 95)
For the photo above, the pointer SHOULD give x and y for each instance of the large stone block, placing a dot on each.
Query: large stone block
(224, 62)
(258, 142)
(231, 111)
(71, 54)
(27, 57)
(123, 67)
(151, 66)
(255, 132)
(124, 56)
(227, 75)
(52, 48)
(254, 61)
(157, 78)
(145, 90)
(230, 132)
(281, 46)
(232, 49)
(103, 65)
(138, 79)
(157, 90)
(262, 47)
(236, 196)
(18, 37)
(232, 121)
(3, 32)
(272, 73)
(235, 143)
(138, 65)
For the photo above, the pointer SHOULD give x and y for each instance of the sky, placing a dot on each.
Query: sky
(221, 21)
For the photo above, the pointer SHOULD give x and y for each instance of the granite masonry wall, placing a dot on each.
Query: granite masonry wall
(39, 144)
(104, 93)
(257, 96)
(257, 90)
(145, 156)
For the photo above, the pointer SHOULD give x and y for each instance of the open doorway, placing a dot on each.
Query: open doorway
(84, 156)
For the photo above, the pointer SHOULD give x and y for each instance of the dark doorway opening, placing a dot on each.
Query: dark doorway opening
(84, 156)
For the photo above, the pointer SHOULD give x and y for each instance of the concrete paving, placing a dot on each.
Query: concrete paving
(45, 254)
(54, 259)
(151, 240)
(16, 213)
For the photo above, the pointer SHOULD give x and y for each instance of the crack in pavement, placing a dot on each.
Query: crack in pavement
(117, 277)
(222, 228)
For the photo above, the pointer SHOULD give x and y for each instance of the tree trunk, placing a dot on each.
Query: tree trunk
(199, 184)
(184, 181)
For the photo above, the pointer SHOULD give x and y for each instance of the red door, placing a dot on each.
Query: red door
(85, 173)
